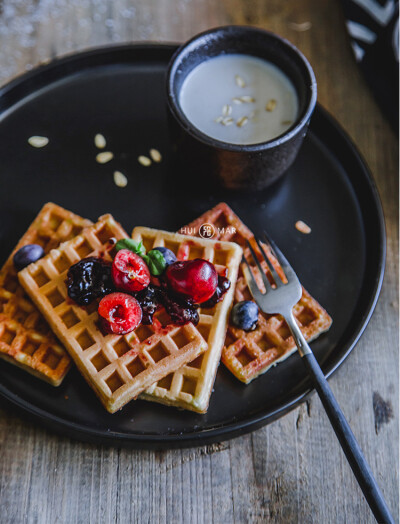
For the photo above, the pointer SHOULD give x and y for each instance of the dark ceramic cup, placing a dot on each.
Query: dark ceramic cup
(253, 166)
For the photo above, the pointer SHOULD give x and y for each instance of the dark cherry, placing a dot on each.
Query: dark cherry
(196, 279)
(88, 279)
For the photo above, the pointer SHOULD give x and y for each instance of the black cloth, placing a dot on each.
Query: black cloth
(373, 27)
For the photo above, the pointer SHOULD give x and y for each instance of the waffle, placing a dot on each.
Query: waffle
(249, 354)
(190, 387)
(25, 338)
(117, 367)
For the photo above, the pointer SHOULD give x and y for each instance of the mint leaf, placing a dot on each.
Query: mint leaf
(155, 261)
(132, 245)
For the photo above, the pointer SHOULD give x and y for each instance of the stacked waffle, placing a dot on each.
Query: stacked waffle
(119, 367)
(161, 362)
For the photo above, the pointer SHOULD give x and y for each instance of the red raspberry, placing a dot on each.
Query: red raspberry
(120, 313)
(129, 271)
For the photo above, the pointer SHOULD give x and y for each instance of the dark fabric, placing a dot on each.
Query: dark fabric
(373, 27)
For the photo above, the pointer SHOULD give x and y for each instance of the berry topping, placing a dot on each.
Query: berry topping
(181, 310)
(245, 315)
(169, 256)
(196, 279)
(129, 271)
(223, 285)
(121, 313)
(26, 255)
(148, 299)
(88, 279)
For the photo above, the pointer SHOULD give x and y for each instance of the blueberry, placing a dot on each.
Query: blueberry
(26, 255)
(245, 315)
(169, 256)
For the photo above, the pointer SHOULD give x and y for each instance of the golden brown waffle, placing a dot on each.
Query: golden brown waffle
(117, 367)
(249, 354)
(190, 386)
(25, 338)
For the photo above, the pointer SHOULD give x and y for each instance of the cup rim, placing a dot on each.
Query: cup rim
(191, 129)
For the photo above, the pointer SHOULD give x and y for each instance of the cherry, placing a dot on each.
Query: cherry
(129, 271)
(196, 279)
(120, 313)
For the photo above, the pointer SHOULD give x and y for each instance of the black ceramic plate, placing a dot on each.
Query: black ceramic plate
(120, 92)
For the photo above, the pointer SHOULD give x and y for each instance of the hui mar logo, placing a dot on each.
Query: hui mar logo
(207, 230)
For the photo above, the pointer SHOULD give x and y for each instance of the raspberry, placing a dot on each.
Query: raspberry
(129, 271)
(121, 313)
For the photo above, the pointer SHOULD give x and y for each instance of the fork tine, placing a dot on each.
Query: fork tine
(274, 274)
(265, 280)
(287, 268)
(251, 281)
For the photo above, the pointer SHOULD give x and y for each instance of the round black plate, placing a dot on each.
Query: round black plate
(120, 92)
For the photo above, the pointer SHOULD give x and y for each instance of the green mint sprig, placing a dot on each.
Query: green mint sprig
(155, 261)
(132, 245)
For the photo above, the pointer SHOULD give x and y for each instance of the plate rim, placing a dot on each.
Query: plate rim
(233, 428)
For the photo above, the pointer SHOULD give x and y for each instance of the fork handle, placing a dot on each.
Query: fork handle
(343, 431)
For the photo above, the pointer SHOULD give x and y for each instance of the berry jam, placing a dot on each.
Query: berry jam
(180, 309)
(88, 279)
(222, 287)
(149, 302)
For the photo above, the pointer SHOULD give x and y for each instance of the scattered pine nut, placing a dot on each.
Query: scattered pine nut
(302, 227)
(38, 141)
(99, 141)
(271, 104)
(219, 119)
(144, 160)
(120, 179)
(227, 121)
(286, 122)
(155, 155)
(226, 110)
(239, 81)
(236, 100)
(242, 121)
(247, 99)
(104, 157)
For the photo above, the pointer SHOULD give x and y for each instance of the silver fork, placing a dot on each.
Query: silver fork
(280, 300)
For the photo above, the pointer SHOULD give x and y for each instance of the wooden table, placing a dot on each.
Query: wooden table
(292, 470)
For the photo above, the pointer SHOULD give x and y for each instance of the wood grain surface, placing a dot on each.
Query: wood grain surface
(292, 470)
